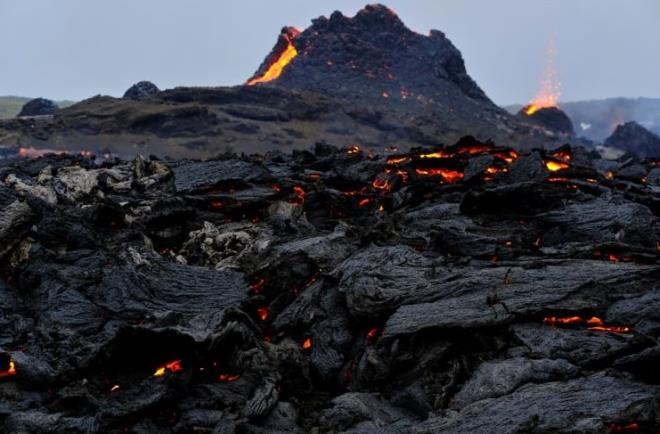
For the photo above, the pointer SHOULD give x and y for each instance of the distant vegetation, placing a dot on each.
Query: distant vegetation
(11, 105)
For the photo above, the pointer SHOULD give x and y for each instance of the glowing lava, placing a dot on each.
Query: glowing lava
(555, 166)
(447, 175)
(372, 333)
(228, 378)
(10, 371)
(263, 313)
(562, 154)
(284, 57)
(300, 195)
(508, 156)
(257, 285)
(381, 183)
(364, 202)
(614, 427)
(174, 366)
(594, 324)
(548, 93)
(438, 154)
(396, 159)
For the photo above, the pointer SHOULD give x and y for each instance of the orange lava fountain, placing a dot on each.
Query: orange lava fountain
(548, 93)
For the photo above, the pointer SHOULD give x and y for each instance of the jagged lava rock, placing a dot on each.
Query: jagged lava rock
(469, 288)
(142, 89)
(552, 118)
(634, 138)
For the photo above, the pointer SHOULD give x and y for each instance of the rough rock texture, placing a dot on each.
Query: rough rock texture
(467, 288)
(547, 408)
(636, 139)
(375, 53)
(142, 89)
(551, 118)
(38, 107)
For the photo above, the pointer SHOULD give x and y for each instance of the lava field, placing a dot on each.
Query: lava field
(468, 288)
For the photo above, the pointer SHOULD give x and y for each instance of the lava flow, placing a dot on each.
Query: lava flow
(263, 313)
(11, 370)
(285, 51)
(447, 175)
(228, 378)
(555, 166)
(594, 324)
(174, 366)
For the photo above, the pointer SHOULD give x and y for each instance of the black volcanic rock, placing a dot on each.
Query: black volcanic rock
(551, 118)
(373, 60)
(142, 89)
(374, 54)
(38, 107)
(467, 288)
(636, 139)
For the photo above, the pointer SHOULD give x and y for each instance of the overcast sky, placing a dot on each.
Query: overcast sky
(73, 49)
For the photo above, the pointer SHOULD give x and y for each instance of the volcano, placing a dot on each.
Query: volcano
(339, 265)
(366, 79)
(374, 57)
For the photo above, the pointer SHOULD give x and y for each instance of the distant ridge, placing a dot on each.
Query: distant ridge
(10, 105)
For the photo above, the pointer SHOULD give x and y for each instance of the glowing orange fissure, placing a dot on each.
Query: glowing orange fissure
(555, 166)
(10, 371)
(594, 323)
(229, 378)
(613, 427)
(173, 366)
(263, 313)
(372, 333)
(562, 154)
(286, 56)
(447, 175)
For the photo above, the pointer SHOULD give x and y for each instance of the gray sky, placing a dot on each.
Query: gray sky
(78, 48)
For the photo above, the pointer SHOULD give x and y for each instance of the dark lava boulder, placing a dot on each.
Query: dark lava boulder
(551, 118)
(142, 89)
(38, 107)
(634, 138)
